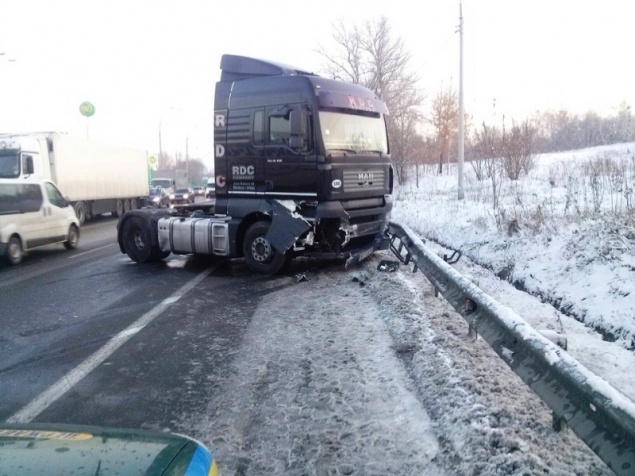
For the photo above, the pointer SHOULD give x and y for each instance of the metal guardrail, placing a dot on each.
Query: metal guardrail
(599, 414)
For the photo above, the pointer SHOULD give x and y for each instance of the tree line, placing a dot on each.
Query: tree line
(196, 169)
(370, 55)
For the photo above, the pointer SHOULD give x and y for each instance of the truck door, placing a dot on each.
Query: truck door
(245, 170)
(290, 165)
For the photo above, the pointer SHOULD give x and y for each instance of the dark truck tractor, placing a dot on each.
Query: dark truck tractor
(302, 168)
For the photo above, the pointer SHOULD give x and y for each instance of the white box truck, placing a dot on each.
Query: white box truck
(97, 177)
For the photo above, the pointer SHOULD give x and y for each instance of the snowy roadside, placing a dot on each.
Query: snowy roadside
(364, 372)
(564, 233)
(608, 360)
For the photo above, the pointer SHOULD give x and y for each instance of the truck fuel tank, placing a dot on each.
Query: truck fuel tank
(195, 235)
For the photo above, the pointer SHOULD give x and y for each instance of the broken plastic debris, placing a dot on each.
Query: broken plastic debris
(388, 266)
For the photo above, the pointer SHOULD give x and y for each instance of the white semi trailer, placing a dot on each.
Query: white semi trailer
(97, 177)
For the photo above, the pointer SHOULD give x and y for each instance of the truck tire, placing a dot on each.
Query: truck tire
(119, 208)
(72, 239)
(126, 206)
(133, 204)
(14, 251)
(80, 211)
(260, 256)
(158, 254)
(136, 240)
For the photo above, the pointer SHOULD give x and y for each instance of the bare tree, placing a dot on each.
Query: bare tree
(517, 149)
(373, 57)
(485, 151)
(445, 120)
(195, 169)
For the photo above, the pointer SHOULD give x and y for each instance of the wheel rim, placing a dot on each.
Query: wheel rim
(261, 249)
(138, 240)
(14, 251)
(73, 236)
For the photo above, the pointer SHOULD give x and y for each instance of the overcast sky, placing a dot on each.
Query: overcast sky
(149, 63)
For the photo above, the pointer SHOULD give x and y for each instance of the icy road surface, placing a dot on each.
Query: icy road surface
(363, 372)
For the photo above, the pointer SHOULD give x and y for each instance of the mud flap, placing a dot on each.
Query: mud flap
(286, 227)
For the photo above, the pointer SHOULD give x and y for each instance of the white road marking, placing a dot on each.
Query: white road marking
(91, 251)
(53, 393)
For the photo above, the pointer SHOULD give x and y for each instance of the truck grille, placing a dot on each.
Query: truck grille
(366, 180)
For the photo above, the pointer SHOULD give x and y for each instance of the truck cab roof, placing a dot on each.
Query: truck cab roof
(234, 68)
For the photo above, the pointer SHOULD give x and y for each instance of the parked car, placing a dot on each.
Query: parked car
(34, 213)
(199, 191)
(158, 197)
(182, 195)
(210, 188)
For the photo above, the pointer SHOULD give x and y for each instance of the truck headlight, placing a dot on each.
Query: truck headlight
(156, 199)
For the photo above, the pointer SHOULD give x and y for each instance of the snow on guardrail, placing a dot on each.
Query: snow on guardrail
(598, 413)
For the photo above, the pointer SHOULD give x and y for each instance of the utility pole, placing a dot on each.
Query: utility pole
(461, 126)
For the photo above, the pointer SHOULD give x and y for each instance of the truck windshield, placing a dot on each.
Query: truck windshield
(353, 133)
(9, 165)
(165, 183)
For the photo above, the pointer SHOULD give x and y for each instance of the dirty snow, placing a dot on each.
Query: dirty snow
(366, 372)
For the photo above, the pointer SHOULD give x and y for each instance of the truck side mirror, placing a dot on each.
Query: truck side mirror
(297, 118)
(28, 165)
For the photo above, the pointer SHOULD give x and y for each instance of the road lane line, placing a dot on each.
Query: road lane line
(53, 393)
(91, 251)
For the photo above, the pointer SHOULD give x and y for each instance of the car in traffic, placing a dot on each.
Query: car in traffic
(34, 213)
(199, 191)
(158, 197)
(182, 195)
(210, 188)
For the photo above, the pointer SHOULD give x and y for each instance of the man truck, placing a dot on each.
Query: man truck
(302, 168)
(97, 177)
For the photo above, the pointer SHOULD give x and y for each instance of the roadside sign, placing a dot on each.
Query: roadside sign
(86, 109)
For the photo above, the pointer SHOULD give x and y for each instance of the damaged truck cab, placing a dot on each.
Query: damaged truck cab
(302, 167)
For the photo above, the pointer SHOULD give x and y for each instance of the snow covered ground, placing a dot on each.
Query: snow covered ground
(366, 372)
(565, 250)
(363, 372)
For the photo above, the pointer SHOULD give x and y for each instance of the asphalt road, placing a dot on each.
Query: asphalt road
(169, 331)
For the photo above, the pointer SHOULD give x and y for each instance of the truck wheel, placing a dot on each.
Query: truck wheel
(80, 211)
(119, 208)
(136, 240)
(133, 204)
(14, 251)
(126, 206)
(259, 254)
(72, 238)
(158, 254)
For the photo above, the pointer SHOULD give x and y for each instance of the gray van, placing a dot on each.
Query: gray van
(34, 213)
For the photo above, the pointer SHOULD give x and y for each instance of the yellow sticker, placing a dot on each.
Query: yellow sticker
(44, 435)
